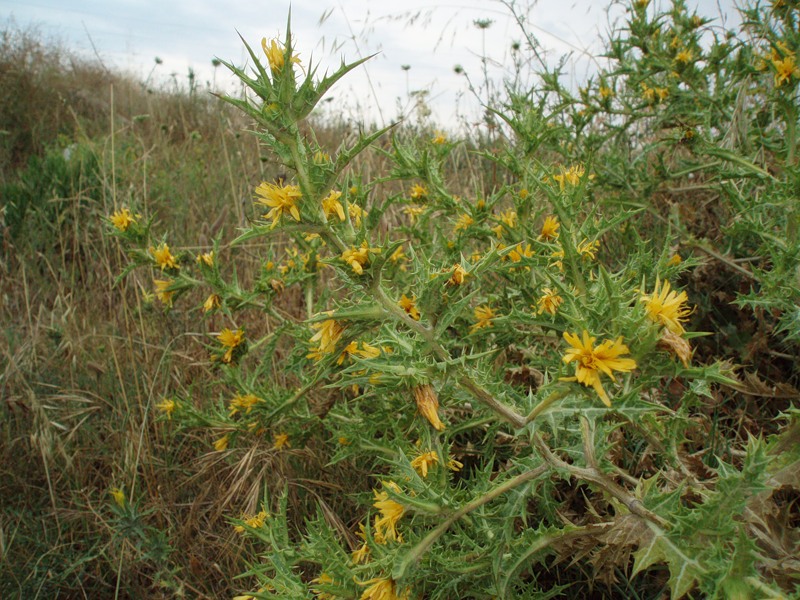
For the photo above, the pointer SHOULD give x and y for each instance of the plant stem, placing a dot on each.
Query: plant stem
(417, 551)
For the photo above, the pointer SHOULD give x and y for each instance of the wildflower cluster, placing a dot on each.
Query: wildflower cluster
(479, 349)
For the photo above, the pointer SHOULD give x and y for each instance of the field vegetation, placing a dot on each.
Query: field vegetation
(251, 352)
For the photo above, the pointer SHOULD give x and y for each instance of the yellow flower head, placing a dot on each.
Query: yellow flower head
(571, 176)
(667, 307)
(207, 259)
(329, 332)
(418, 191)
(588, 249)
(281, 440)
(361, 555)
(425, 461)
(409, 305)
(439, 139)
(684, 56)
(592, 361)
(413, 212)
(163, 257)
(483, 315)
(118, 495)
(428, 404)
(550, 228)
(222, 443)
(276, 55)
(390, 513)
(382, 589)
(122, 219)
(785, 68)
(280, 199)
(458, 276)
(252, 521)
(550, 301)
(230, 340)
(519, 252)
(162, 293)
(356, 213)
(243, 403)
(331, 205)
(463, 222)
(167, 406)
(212, 302)
(674, 260)
(358, 257)
(324, 579)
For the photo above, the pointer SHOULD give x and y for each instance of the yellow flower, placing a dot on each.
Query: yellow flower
(212, 302)
(674, 260)
(591, 361)
(321, 157)
(571, 176)
(413, 212)
(280, 199)
(458, 276)
(428, 404)
(454, 465)
(222, 443)
(358, 257)
(207, 258)
(324, 579)
(252, 521)
(162, 293)
(550, 228)
(559, 254)
(684, 56)
(519, 252)
(667, 307)
(381, 589)
(329, 332)
(463, 222)
(785, 68)
(230, 340)
(118, 495)
(425, 461)
(391, 512)
(122, 219)
(281, 440)
(244, 403)
(588, 249)
(409, 305)
(605, 92)
(648, 93)
(331, 205)
(418, 191)
(439, 138)
(163, 257)
(167, 406)
(550, 301)
(356, 213)
(484, 315)
(276, 55)
(399, 256)
(361, 555)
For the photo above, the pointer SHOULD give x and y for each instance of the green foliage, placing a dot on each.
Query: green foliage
(512, 362)
(63, 176)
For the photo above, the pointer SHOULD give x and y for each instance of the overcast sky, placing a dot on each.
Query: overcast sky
(429, 37)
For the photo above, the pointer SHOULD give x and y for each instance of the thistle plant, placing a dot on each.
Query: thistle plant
(514, 368)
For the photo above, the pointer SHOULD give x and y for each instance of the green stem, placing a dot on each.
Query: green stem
(545, 404)
(413, 555)
(464, 379)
